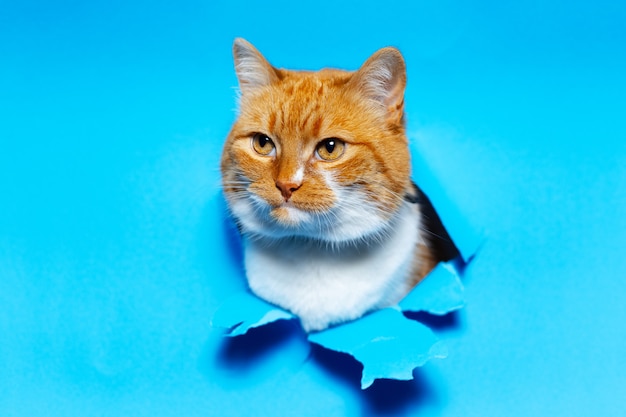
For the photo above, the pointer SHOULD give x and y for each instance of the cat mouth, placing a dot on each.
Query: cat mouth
(288, 214)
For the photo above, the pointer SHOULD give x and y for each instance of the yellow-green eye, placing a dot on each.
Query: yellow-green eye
(263, 145)
(330, 149)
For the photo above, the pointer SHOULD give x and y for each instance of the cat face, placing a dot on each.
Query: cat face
(320, 154)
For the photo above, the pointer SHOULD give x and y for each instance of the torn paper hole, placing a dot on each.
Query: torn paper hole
(386, 342)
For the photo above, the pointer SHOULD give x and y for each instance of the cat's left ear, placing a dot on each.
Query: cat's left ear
(382, 78)
(252, 68)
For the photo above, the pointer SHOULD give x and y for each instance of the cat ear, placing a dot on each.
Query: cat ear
(382, 78)
(252, 68)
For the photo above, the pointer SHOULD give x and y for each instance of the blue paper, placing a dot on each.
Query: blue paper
(440, 292)
(244, 311)
(385, 342)
(112, 263)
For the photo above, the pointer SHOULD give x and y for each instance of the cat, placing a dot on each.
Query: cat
(316, 174)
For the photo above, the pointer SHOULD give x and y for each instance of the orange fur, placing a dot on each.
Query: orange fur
(300, 109)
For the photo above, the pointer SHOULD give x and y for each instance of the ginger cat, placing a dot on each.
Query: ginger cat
(316, 173)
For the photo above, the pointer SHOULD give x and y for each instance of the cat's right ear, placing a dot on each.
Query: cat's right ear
(253, 70)
(382, 79)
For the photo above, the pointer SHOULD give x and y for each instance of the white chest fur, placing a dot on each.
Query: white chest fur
(324, 286)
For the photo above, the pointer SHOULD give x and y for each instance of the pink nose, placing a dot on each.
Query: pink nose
(287, 188)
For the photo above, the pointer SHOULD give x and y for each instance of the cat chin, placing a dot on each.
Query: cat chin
(290, 216)
(313, 229)
(315, 232)
(260, 222)
(316, 240)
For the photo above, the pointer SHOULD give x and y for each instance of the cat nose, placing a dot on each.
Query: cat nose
(287, 188)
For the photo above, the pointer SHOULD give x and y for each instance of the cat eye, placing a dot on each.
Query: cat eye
(330, 149)
(262, 144)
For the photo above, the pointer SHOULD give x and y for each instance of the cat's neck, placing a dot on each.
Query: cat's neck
(326, 283)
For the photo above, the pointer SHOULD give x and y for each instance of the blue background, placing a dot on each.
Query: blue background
(112, 116)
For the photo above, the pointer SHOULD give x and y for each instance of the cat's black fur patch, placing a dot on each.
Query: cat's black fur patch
(438, 238)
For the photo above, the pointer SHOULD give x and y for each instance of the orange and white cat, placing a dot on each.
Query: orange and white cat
(316, 173)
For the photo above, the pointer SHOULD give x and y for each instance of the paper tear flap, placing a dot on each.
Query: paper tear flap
(245, 311)
(440, 292)
(387, 344)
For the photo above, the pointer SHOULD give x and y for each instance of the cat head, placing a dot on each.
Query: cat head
(318, 154)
